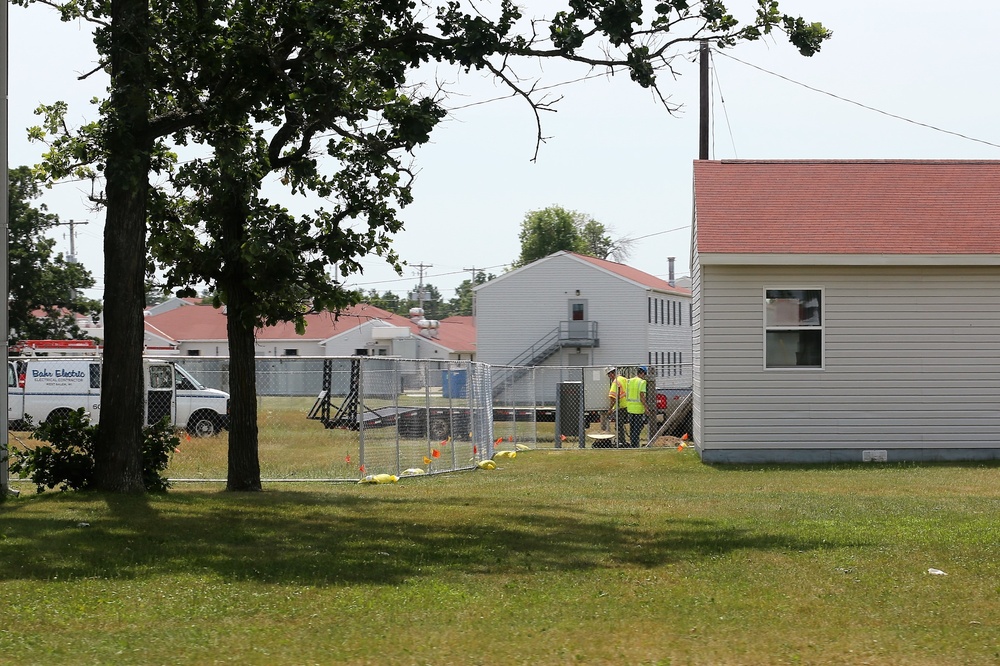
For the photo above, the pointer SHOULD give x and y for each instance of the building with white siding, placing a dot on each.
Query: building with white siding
(361, 330)
(569, 309)
(846, 310)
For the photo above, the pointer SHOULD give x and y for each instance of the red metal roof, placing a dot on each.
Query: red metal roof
(203, 322)
(848, 207)
(633, 274)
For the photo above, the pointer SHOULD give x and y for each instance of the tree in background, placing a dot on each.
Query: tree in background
(387, 300)
(175, 67)
(546, 231)
(464, 301)
(597, 241)
(435, 307)
(554, 229)
(39, 282)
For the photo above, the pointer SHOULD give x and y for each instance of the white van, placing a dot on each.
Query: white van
(42, 386)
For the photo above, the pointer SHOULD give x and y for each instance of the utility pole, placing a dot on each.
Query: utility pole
(4, 229)
(420, 287)
(473, 289)
(703, 126)
(71, 258)
(72, 238)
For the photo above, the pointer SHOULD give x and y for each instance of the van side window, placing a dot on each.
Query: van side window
(11, 376)
(160, 377)
(95, 375)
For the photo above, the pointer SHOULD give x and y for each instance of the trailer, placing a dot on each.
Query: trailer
(444, 421)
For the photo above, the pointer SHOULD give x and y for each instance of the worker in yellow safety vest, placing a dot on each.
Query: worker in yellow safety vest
(616, 401)
(635, 405)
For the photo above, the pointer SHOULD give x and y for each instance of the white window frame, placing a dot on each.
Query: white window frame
(821, 328)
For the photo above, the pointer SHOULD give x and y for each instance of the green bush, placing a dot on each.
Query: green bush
(158, 442)
(67, 461)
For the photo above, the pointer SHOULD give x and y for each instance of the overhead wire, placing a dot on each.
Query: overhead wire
(859, 104)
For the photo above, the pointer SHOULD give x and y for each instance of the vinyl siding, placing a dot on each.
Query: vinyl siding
(520, 308)
(696, 336)
(912, 360)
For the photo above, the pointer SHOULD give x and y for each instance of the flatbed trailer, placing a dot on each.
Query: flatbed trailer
(417, 421)
(438, 422)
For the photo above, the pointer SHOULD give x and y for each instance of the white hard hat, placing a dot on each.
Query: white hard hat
(609, 368)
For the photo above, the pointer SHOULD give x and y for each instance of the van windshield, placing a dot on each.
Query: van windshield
(186, 382)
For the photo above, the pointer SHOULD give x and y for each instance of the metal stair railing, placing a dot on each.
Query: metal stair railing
(566, 334)
(539, 351)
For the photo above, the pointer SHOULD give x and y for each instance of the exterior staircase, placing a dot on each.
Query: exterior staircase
(566, 334)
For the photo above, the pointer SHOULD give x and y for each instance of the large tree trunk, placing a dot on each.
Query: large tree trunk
(244, 462)
(118, 454)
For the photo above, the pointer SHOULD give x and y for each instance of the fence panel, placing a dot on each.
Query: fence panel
(343, 418)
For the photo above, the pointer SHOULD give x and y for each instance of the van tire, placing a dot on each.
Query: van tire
(57, 414)
(203, 424)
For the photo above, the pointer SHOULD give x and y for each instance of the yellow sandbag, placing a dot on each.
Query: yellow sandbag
(380, 478)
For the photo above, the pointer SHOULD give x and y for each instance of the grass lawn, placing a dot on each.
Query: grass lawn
(557, 557)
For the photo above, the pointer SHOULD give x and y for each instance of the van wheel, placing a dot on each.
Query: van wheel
(57, 415)
(203, 424)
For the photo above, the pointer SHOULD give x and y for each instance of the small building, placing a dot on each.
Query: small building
(846, 310)
(570, 309)
(361, 330)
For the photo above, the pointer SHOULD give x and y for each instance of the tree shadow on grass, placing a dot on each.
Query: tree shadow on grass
(323, 539)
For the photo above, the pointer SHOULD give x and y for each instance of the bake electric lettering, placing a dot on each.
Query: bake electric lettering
(59, 373)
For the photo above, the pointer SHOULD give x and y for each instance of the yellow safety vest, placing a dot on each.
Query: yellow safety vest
(633, 395)
(618, 387)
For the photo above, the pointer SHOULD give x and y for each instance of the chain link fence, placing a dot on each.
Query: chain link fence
(563, 407)
(340, 419)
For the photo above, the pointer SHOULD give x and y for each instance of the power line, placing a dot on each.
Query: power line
(660, 233)
(863, 106)
(429, 276)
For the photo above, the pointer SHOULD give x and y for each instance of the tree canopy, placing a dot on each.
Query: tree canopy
(260, 85)
(45, 288)
(555, 228)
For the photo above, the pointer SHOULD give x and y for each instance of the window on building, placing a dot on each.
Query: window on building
(194, 352)
(793, 328)
(579, 312)
(291, 352)
(649, 309)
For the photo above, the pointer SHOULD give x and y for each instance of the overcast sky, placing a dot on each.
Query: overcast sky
(899, 79)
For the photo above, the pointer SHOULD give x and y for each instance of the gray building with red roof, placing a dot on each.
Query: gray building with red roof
(570, 309)
(846, 310)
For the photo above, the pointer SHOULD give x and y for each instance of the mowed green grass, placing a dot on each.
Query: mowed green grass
(557, 557)
(293, 447)
(290, 446)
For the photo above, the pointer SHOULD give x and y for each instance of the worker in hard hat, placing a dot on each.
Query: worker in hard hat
(635, 405)
(616, 401)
